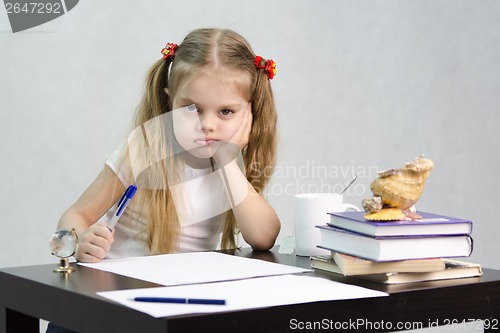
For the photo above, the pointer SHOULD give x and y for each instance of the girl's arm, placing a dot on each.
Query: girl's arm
(94, 239)
(258, 222)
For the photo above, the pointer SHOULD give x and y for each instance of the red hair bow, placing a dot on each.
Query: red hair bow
(169, 50)
(269, 66)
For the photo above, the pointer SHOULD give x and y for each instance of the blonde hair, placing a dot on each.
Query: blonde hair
(201, 49)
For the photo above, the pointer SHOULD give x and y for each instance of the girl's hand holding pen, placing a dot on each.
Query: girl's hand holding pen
(95, 243)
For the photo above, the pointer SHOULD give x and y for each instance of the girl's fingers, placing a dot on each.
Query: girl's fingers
(100, 229)
(90, 253)
(249, 123)
(95, 243)
(243, 133)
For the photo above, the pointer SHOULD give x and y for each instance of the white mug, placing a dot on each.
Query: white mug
(311, 210)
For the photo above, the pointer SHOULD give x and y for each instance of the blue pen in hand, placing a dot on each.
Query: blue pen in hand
(127, 196)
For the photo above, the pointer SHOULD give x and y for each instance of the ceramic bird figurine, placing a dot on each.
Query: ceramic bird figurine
(397, 190)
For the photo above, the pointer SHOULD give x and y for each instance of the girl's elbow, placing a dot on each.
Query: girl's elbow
(265, 242)
(262, 245)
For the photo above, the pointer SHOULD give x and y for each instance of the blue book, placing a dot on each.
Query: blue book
(392, 248)
(429, 224)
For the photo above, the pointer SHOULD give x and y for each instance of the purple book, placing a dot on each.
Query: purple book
(429, 224)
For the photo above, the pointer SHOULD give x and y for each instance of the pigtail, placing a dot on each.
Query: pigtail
(260, 154)
(156, 198)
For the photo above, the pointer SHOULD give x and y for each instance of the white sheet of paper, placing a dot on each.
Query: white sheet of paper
(194, 267)
(242, 294)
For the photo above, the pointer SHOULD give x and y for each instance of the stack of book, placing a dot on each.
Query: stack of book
(397, 251)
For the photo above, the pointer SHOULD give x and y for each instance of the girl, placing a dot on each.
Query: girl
(208, 99)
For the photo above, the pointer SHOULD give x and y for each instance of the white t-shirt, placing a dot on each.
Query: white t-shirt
(131, 229)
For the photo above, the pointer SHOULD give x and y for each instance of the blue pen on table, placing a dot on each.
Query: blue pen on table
(178, 300)
(127, 196)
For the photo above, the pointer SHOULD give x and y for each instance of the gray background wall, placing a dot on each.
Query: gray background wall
(362, 86)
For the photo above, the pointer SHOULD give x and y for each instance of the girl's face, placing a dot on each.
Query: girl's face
(208, 111)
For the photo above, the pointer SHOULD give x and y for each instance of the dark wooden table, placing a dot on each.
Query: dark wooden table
(33, 292)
